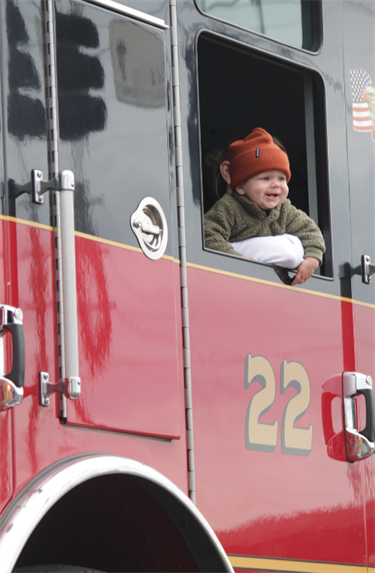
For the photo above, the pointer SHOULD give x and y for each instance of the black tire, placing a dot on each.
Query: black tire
(55, 569)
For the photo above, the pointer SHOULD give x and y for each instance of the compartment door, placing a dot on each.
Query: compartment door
(115, 129)
(265, 357)
(359, 70)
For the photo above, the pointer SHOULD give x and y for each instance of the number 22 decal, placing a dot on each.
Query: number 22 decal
(262, 436)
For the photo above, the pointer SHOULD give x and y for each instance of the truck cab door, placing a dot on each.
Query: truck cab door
(262, 351)
(114, 131)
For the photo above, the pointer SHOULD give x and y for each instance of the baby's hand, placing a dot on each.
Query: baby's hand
(305, 270)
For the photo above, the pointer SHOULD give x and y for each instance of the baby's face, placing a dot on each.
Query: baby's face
(267, 189)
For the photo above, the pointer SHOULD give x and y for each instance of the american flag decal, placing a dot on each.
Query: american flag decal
(363, 96)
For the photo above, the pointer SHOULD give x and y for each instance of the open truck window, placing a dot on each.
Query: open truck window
(240, 89)
(293, 22)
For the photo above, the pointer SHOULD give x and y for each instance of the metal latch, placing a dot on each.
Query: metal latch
(11, 384)
(64, 181)
(359, 445)
(149, 225)
(365, 269)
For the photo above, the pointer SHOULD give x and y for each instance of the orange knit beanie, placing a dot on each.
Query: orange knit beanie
(255, 154)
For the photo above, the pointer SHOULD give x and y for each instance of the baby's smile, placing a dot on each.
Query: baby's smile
(268, 189)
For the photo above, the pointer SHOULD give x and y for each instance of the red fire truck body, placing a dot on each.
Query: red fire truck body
(143, 368)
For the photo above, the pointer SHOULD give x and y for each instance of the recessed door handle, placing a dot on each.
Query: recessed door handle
(149, 225)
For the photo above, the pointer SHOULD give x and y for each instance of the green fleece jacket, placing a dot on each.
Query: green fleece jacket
(236, 218)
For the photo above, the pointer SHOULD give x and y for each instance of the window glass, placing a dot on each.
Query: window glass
(112, 111)
(288, 21)
(23, 90)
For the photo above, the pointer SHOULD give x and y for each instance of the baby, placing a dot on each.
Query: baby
(257, 220)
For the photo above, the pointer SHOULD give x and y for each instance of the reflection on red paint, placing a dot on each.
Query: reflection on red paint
(38, 264)
(5, 458)
(301, 535)
(94, 308)
(335, 441)
(348, 336)
(94, 313)
(127, 320)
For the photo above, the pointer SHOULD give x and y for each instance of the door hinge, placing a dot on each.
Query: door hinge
(69, 387)
(64, 181)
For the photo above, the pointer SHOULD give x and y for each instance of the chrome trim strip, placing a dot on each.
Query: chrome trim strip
(142, 16)
(36, 499)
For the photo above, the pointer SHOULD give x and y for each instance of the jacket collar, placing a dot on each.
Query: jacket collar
(255, 210)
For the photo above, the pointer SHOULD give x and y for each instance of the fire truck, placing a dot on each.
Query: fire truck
(166, 407)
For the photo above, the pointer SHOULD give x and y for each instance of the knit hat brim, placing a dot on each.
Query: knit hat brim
(255, 154)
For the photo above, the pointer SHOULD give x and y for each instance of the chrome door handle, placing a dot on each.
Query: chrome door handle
(11, 384)
(147, 227)
(359, 445)
(10, 394)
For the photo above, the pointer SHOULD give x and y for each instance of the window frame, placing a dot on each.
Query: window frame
(319, 200)
(316, 27)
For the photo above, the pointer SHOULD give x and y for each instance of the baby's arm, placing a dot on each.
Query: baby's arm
(282, 250)
(300, 225)
(305, 270)
(218, 224)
